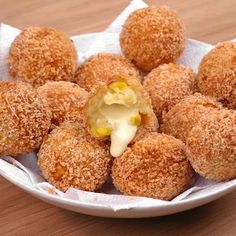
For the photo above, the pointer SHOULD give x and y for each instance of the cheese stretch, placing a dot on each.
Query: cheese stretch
(117, 116)
(122, 128)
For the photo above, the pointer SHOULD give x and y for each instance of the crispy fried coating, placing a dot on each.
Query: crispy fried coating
(40, 54)
(65, 99)
(167, 85)
(70, 157)
(217, 74)
(211, 145)
(155, 166)
(100, 68)
(24, 118)
(183, 116)
(153, 36)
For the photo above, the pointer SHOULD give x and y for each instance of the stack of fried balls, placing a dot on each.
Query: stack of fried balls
(149, 122)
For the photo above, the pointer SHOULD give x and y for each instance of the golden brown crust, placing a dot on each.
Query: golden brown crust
(167, 85)
(100, 68)
(40, 54)
(24, 120)
(65, 99)
(70, 157)
(217, 74)
(152, 36)
(211, 145)
(155, 166)
(183, 116)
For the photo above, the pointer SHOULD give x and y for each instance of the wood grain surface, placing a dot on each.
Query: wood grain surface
(20, 214)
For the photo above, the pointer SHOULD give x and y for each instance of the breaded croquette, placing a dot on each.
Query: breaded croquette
(155, 166)
(70, 157)
(40, 54)
(167, 85)
(100, 68)
(152, 36)
(217, 74)
(182, 117)
(211, 145)
(65, 99)
(120, 110)
(24, 118)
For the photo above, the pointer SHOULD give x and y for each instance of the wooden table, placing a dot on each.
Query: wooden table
(20, 214)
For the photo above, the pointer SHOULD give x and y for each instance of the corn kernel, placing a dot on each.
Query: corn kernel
(117, 85)
(135, 120)
(60, 171)
(101, 131)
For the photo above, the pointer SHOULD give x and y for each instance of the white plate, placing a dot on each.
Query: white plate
(137, 212)
(141, 211)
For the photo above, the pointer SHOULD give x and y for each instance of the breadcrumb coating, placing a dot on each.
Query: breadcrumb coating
(100, 68)
(155, 166)
(70, 157)
(153, 36)
(211, 145)
(167, 85)
(183, 116)
(24, 120)
(40, 54)
(217, 74)
(65, 99)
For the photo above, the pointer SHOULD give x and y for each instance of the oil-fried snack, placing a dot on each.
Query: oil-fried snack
(183, 116)
(217, 74)
(70, 157)
(155, 166)
(152, 36)
(65, 99)
(100, 68)
(24, 118)
(211, 145)
(122, 111)
(40, 54)
(167, 85)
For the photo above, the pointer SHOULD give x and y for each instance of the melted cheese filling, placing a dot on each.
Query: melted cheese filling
(123, 130)
(116, 115)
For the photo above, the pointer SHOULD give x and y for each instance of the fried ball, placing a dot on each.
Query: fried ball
(65, 99)
(211, 145)
(167, 85)
(24, 120)
(183, 116)
(100, 68)
(217, 74)
(40, 54)
(120, 111)
(69, 157)
(155, 167)
(152, 36)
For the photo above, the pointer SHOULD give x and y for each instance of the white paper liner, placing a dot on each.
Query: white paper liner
(25, 170)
